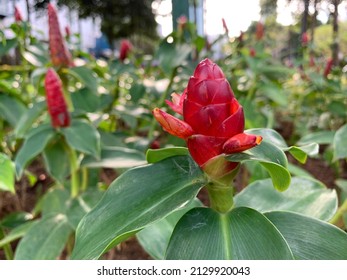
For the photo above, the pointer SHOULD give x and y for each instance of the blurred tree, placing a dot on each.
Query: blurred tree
(268, 8)
(119, 19)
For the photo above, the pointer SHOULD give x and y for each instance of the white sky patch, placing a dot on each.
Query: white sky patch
(237, 14)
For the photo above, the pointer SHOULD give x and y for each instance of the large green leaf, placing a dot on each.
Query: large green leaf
(45, 240)
(310, 239)
(272, 158)
(27, 119)
(155, 238)
(86, 76)
(340, 141)
(11, 109)
(156, 155)
(134, 200)
(115, 157)
(243, 233)
(86, 100)
(320, 137)
(172, 55)
(306, 196)
(7, 45)
(57, 160)
(34, 144)
(6, 174)
(17, 232)
(299, 152)
(83, 137)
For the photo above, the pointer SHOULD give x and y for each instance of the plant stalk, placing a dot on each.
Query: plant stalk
(338, 215)
(221, 197)
(7, 247)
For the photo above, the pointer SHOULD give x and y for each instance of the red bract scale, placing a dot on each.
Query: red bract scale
(60, 54)
(328, 67)
(125, 48)
(213, 119)
(17, 14)
(56, 104)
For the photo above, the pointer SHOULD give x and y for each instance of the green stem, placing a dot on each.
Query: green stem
(7, 247)
(84, 179)
(161, 102)
(74, 172)
(220, 196)
(338, 215)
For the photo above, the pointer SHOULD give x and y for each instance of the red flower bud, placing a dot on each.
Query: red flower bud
(67, 31)
(328, 67)
(252, 52)
(56, 104)
(213, 119)
(17, 14)
(60, 54)
(304, 39)
(259, 31)
(125, 48)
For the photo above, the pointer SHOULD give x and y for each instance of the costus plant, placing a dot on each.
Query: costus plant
(270, 219)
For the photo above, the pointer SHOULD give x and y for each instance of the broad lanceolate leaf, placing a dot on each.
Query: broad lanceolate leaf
(83, 137)
(298, 152)
(27, 119)
(17, 233)
(11, 109)
(45, 240)
(320, 137)
(7, 174)
(310, 239)
(340, 140)
(86, 76)
(115, 157)
(306, 196)
(242, 233)
(155, 238)
(156, 155)
(57, 160)
(272, 158)
(134, 200)
(34, 144)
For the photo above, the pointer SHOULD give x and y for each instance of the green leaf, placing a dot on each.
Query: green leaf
(11, 109)
(86, 76)
(274, 93)
(298, 152)
(340, 140)
(7, 174)
(172, 55)
(155, 238)
(57, 160)
(320, 137)
(55, 202)
(137, 198)
(9, 44)
(310, 239)
(298, 171)
(156, 155)
(243, 233)
(15, 219)
(28, 118)
(86, 100)
(45, 240)
(33, 145)
(272, 158)
(305, 196)
(83, 137)
(17, 233)
(115, 157)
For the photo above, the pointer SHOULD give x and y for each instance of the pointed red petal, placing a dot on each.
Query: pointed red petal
(241, 142)
(173, 125)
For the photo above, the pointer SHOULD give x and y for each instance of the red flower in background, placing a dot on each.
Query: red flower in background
(304, 39)
(60, 54)
(56, 104)
(17, 14)
(328, 67)
(213, 119)
(67, 31)
(252, 52)
(125, 49)
(259, 31)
